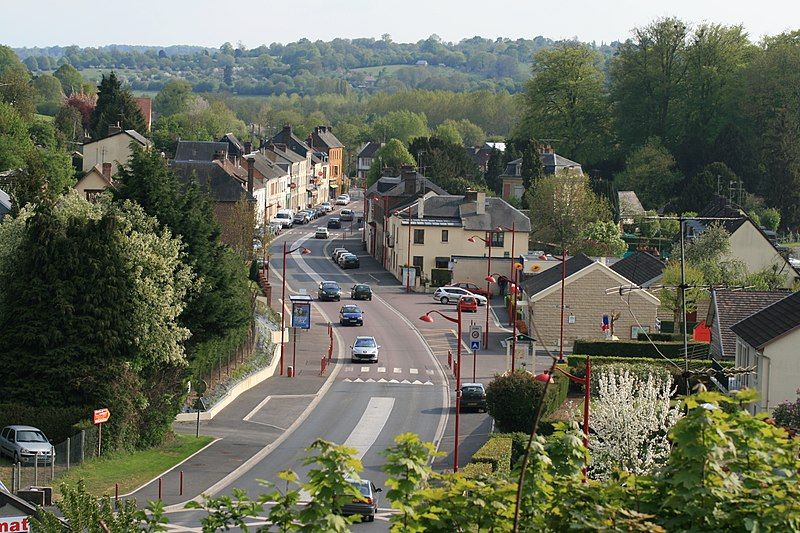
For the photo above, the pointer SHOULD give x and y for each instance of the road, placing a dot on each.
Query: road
(368, 404)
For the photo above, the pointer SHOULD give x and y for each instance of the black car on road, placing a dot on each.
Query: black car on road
(334, 223)
(330, 291)
(473, 396)
(361, 292)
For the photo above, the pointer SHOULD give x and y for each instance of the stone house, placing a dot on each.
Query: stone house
(114, 149)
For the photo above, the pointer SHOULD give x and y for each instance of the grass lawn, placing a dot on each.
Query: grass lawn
(129, 469)
(374, 71)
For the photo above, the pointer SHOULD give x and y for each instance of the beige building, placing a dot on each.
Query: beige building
(114, 149)
(94, 182)
(769, 341)
(586, 299)
(428, 232)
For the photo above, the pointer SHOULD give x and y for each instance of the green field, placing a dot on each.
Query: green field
(374, 71)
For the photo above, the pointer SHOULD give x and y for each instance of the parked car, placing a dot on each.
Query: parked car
(301, 217)
(26, 444)
(312, 213)
(284, 217)
(448, 295)
(367, 505)
(473, 396)
(474, 289)
(364, 349)
(350, 315)
(329, 290)
(349, 261)
(322, 233)
(326, 207)
(338, 254)
(346, 215)
(343, 199)
(334, 223)
(334, 252)
(361, 292)
(468, 304)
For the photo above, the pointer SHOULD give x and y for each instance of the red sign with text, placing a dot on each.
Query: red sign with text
(101, 415)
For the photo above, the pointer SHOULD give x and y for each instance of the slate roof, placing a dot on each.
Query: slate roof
(770, 323)
(231, 139)
(221, 186)
(394, 186)
(369, 149)
(729, 307)
(265, 167)
(498, 213)
(720, 207)
(639, 267)
(199, 150)
(324, 135)
(551, 162)
(629, 204)
(289, 156)
(286, 136)
(546, 279)
(133, 134)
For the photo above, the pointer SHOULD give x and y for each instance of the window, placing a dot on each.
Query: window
(419, 236)
(416, 262)
(442, 262)
(93, 194)
(445, 235)
(497, 238)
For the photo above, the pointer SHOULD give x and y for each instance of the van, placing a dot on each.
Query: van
(284, 217)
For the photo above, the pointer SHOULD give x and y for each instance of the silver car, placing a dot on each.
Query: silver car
(451, 295)
(26, 444)
(367, 504)
(365, 349)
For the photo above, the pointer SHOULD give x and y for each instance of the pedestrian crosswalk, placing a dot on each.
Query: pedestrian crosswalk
(384, 374)
(385, 370)
(390, 381)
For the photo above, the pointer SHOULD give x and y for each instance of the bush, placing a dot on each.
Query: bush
(512, 400)
(57, 423)
(637, 348)
(496, 452)
(477, 470)
(669, 337)
(787, 414)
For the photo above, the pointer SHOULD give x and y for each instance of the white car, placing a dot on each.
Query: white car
(321, 233)
(326, 207)
(343, 199)
(451, 295)
(284, 218)
(365, 349)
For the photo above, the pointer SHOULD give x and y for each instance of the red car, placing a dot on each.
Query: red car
(471, 287)
(468, 304)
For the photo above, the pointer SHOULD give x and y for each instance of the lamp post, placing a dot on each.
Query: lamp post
(489, 279)
(264, 263)
(427, 318)
(283, 294)
(563, 260)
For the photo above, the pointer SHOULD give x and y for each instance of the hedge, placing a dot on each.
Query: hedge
(669, 337)
(58, 423)
(512, 399)
(668, 326)
(477, 470)
(632, 348)
(497, 453)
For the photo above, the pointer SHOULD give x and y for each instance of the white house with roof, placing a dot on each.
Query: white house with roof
(114, 149)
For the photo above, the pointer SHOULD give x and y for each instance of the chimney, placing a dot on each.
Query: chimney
(287, 129)
(250, 166)
(114, 128)
(107, 171)
(471, 196)
(480, 203)
(248, 147)
(409, 178)
(421, 208)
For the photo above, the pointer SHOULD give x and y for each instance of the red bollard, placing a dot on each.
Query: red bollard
(159, 487)
(322, 366)
(455, 368)
(180, 489)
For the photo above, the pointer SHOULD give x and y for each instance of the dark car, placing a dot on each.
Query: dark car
(473, 396)
(330, 291)
(301, 217)
(351, 315)
(334, 223)
(367, 504)
(349, 261)
(361, 292)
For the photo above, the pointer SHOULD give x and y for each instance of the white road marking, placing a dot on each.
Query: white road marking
(381, 369)
(365, 369)
(370, 426)
(429, 371)
(397, 370)
(348, 368)
(413, 370)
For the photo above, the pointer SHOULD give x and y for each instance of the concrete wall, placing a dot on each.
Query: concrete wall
(751, 247)
(779, 372)
(115, 150)
(585, 298)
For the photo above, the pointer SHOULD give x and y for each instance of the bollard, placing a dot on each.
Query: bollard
(68, 452)
(180, 488)
(116, 492)
(455, 368)
(449, 359)
(159, 487)
(290, 371)
(322, 366)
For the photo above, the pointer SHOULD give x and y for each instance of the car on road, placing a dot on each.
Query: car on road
(338, 254)
(367, 504)
(326, 207)
(361, 291)
(301, 217)
(335, 252)
(322, 233)
(312, 213)
(364, 349)
(468, 304)
(447, 295)
(330, 291)
(343, 199)
(473, 396)
(26, 445)
(471, 287)
(349, 261)
(351, 315)
(346, 215)
(284, 217)
(334, 223)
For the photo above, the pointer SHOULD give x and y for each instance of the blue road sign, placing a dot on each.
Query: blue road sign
(475, 345)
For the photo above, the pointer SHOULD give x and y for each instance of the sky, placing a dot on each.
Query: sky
(211, 23)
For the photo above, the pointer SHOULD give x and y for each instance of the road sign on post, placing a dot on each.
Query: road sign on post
(99, 416)
(475, 334)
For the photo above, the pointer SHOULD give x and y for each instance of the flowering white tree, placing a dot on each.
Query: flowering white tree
(630, 420)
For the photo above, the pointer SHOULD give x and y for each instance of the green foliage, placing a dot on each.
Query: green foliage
(696, 191)
(448, 132)
(633, 348)
(650, 173)
(601, 238)
(173, 98)
(787, 414)
(477, 470)
(15, 143)
(512, 400)
(408, 471)
(694, 277)
(115, 105)
(70, 79)
(58, 423)
(402, 125)
(447, 164)
(770, 218)
(394, 155)
(15, 87)
(204, 123)
(50, 94)
(497, 453)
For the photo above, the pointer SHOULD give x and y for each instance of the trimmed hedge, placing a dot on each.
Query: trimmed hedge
(637, 348)
(497, 453)
(477, 470)
(57, 423)
(668, 326)
(512, 399)
(668, 337)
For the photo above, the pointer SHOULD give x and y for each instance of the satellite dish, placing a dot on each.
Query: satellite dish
(536, 268)
(517, 266)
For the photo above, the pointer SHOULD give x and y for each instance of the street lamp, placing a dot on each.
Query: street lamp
(563, 260)
(283, 293)
(489, 278)
(428, 318)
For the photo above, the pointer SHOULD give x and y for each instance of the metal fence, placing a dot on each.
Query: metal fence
(71, 452)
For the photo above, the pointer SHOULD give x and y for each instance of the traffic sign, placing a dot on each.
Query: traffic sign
(475, 345)
(475, 335)
(101, 415)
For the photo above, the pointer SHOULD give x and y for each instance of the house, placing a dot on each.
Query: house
(430, 230)
(318, 165)
(114, 149)
(587, 299)
(385, 196)
(145, 105)
(512, 181)
(200, 150)
(748, 242)
(768, 340)
(16, 513)
(629, 206)
(641, 268)
(94, 182)
(270, 187)
(236, 149)
(297, 166)
(364, 159)
(728, 307)
(322, 139)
